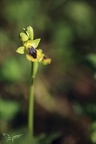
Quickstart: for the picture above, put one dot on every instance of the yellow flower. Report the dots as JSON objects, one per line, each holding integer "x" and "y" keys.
{"x": 29, "y": 47}
{"x": 46, "y": 60}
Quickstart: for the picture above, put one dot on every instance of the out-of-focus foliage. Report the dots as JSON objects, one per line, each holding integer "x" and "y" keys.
{"x": 8, "y": 109}
{"x": 93, "y": 132}
{"x": 25, "y": 137}
{"x": 82, "y": 15}
{"x": 92, "y": 60}
{"x": 67, "y": 29}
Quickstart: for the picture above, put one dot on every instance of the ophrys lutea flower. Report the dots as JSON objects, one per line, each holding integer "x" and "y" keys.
{"x": 29, "y": 47}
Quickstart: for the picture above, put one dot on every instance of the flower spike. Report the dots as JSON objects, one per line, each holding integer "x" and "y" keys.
{"x": 30, "y": 47}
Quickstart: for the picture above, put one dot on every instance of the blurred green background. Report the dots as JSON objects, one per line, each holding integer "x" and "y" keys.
{"x": 65, "y": 90}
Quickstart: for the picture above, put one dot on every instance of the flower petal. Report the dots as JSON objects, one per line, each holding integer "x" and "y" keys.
{"x": 20, "y": 50}
{"x": 46, "y": 61}
{"x": 40, "y": 55}
{"x": 35, "y": 42}
{"x": 30, "y": 58}
{"x": 28, "y": 44}
{"x": 30, "y": 32}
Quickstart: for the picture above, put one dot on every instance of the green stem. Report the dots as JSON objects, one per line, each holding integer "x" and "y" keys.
{"x": 31, "y": 103}
{"x": 34, "y": 67}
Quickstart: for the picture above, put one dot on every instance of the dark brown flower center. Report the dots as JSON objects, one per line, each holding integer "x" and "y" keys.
{"x": 32, "y": 52}
{"x": 45, "y": 57}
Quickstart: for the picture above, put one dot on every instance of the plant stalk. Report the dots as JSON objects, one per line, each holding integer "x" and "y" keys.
{"x": 31, "y": 102}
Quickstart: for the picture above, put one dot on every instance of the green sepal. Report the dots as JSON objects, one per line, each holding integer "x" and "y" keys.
{"x": 30, "y": 32}
{"x": 20, "y": 50}
{"x": 35, "y": 42}
{"x": 23, "y": 37}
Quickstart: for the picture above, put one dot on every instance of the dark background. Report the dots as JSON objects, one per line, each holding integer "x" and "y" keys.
{"x": 65, "y": 90}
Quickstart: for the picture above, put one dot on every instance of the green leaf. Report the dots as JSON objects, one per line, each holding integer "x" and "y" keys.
{"x": 20, "y": 50}
{"x": 30, "y": 32}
